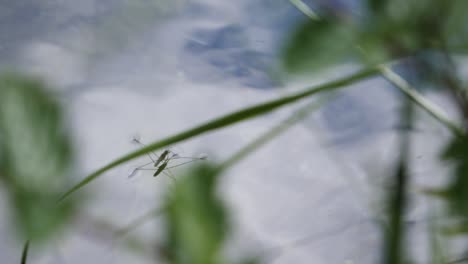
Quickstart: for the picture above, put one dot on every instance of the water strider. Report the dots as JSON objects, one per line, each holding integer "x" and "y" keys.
{"x": 160, "y": 163}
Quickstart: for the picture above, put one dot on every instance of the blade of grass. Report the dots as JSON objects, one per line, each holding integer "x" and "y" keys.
{"x": 416, "y": 97}
{"x": 227, "y": 120}
{"x": 24, "y": 255}
{"x": 398, "y": 199}
{"x": 393, "y": 252}
{"x": 263, "y": 139}
{"x": 305, "y": 9}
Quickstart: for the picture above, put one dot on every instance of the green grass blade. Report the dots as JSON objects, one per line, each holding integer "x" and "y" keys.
{"x": 227, "y": 120}
{"x": 398, "y": 198}
{"x": 263, "y": 139}
{"x": 394, "y": 235}
{"x": 422, "y": 102}
{"x": 305, "y": 9}
{"x": 24, "y": 255}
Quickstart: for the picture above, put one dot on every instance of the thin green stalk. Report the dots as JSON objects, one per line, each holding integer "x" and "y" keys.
{"x": 226, "y": 120}
{"x": 395, "y": 232}
{"x": 263, "y": 139}
{"x": 305, "y": 9}
{"x": 24, "y": 255}
{"x": 416, "y": 97}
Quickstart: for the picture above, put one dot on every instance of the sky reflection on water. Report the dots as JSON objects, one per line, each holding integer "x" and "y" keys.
{"x": 181, "y": 63}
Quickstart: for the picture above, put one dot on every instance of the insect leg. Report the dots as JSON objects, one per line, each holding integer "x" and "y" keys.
{"x": 171, "y": 176}
{"x": 183, "y": 163}
{"x": 137, "y": 141}
{"x": 138, "y": 168}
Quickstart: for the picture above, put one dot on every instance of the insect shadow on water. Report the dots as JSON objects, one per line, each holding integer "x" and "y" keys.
{"x": 160, "y": 163}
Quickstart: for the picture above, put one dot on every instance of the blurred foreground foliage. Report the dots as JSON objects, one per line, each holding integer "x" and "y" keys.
{"x": 421, "y": 38}
{"x": 456, "y": 193}
{"x": 380, "y": 32}
{"x": 35, "y": 156}
{"x": 196, "y": 220}
{"x": 425, "y": 41}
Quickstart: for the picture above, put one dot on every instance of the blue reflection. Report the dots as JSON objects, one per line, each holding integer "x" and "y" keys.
{"x": 246, "y": 51}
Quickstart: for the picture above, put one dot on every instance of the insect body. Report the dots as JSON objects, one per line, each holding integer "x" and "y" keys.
{"x": 161, "y": 158}
{"x": 160, "y": 164}
{"x": 160, "y": 169}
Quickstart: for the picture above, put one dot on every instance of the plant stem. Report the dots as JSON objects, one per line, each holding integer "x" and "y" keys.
{"x": 24, "y": 255}
{"x": 416, "y": 97}
{"x": 263, "y": 139}
{"x": 227, "y": 120}
{"x": 395, "y": 232}
{"x": 305, "y": 9}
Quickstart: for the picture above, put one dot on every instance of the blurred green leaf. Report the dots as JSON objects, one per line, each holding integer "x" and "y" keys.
{"x": 406, "y": 26}
{"x": 459, "y": 228}
{"x": 35, "y": 156}
{"x": 456, "y": 192}
{"x": 24, "y": 254}
{"x": 456, "y": 27}
{"x": 420, "y": 34}
{"x": 251, "y": 261}
{"x": 394, "y": 248}
{"x": 414, "y": 12}
{"x": 196, "y": 219}
{"x": 317, "y": 45}
{"x": 389, "y": 30}
{"x": 377, "y": 5}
